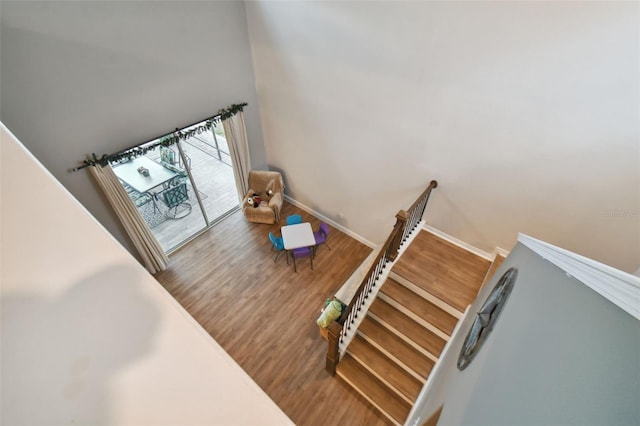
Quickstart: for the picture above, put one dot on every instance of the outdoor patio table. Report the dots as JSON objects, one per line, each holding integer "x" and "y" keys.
{"x": 128, "y": 173}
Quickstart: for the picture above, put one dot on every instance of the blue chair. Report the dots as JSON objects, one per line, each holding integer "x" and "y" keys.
{"x": 321, "y": 236}
{"x": 278, "y": 244}
{"x": 293, "y": 219}
{"x": 301, "y": 252}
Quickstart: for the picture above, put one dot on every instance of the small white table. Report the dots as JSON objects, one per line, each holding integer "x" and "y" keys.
{"x": 296, "y": 236}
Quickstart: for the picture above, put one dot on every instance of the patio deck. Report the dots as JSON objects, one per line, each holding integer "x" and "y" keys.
{"x": 215, "y": 184}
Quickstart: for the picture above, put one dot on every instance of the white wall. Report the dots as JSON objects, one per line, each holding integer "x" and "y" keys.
{"x": 88, "y": 336}
{"x": 96, "y": 77}
{"x": 527, "y": 114}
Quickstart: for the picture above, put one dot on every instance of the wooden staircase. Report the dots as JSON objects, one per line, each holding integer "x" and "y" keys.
{"x": 407, "y": 326}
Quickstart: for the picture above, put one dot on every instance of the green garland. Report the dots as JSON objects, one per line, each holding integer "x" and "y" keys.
{"x": 165, "y": 141}
{"x": 229, "y": 112}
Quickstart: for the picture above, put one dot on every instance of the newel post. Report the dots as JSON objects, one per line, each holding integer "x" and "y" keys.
{"x": 333, "y": 333}
{"x": 401, "y": 223}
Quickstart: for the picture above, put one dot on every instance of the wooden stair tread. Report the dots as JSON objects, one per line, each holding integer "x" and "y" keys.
{"x": 398, "y": 348}
{"x": 408, "y": 327}
{"x": 384, "y": 368}
{"x": 367, "y": 384}
{"x": 445, "y": 270}
{"x": 419, "y": 306}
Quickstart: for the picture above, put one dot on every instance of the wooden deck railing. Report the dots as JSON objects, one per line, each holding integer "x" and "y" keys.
{"x": 406, "y": 222}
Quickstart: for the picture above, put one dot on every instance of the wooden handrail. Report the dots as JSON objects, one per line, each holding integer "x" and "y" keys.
{"x": 433, "y": 184}
{"x": 406, "y": 221}
{"x": 384, "y": 253}
{"x": 402, "y": 217}
{"x": 336, "y": 330}
{"x": 416, "y": 211}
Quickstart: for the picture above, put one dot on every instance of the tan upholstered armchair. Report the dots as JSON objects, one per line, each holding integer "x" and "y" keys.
{"x": 269, "y": 189}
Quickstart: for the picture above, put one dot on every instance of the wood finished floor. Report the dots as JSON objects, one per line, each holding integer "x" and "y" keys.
{"x": 445, "y": 270}
{"x": 263, "y": 314}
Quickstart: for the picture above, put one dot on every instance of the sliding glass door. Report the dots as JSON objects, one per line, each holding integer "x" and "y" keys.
{"x": 182, "y": 189}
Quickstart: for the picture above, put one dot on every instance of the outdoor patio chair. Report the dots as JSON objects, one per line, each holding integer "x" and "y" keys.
{"x": 175, "y": 197}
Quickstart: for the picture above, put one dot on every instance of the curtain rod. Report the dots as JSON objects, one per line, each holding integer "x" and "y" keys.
{"x": 122, "y": 151}
{"x": 222, "y": 114}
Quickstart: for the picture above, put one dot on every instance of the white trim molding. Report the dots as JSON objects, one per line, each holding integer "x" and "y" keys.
{"x": 618, "y": 287}
{"x": 414, "y": 418}
{"x": 459, "y": 243}
{"x": 500, "y": 251}
{"x": 330, "y": 222}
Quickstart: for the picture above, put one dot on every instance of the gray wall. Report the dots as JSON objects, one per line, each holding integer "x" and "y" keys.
{"x": 559, "y": 354}
{"x": 96, "y": 77}
{"x": 525, "y": 112}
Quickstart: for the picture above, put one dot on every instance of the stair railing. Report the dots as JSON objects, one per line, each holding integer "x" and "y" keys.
{"x": 416, "y": 211}
{"x": 406, "y": 222}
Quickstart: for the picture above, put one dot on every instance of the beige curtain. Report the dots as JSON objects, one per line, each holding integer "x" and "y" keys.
{"x": 236, "y": 135}
{"x": 153, "y": 256}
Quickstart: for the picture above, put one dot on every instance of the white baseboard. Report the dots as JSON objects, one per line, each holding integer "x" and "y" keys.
{"x": 413, "y": 419}
{"x": 500, "y": 251}
{"x": 429, "y": 228}
{"x": 459, "y": 243}
{"x": 330, "y": 222}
